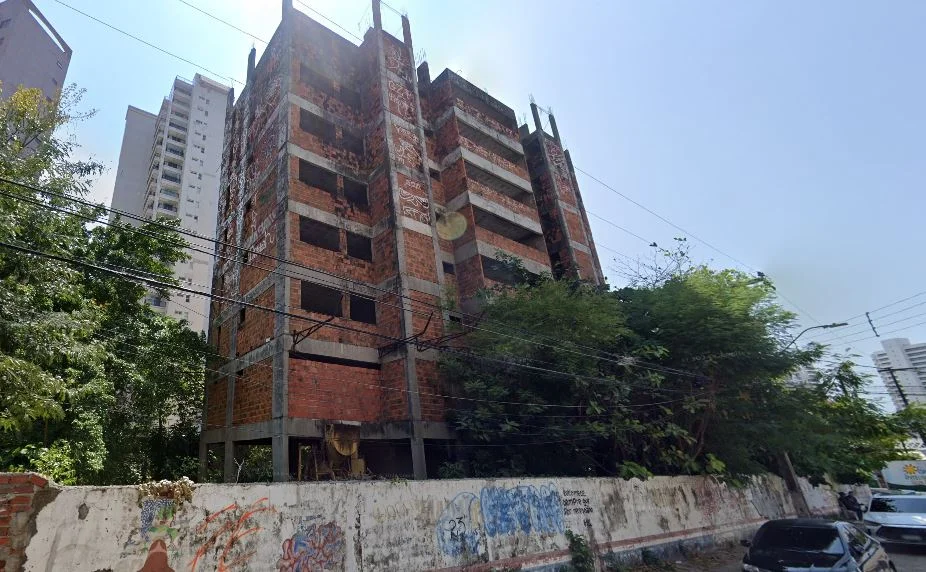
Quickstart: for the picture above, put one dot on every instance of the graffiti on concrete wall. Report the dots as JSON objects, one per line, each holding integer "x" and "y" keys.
{"x": 524, "y": 509}
{"x": 575, "y": 501}
{"x": 227, "y": 536}
{"x": 316, "y": 547}
{"x": 459, "y": 528}
{"x": 496, "y": 512}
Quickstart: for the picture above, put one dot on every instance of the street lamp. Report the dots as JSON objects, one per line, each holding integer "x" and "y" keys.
{"x": 823, "y": 327}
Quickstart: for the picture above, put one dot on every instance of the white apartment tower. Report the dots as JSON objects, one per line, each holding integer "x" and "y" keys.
{"x": 32, "y": 53}
{"x": 169, "y": 167}
{"x": 907, "y": 363}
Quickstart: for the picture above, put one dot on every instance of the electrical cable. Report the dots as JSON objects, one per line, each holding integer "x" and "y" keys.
{"x": 149, "y": 44}
{"x": 621, "y": 360}
{"x": 466, "y": 354}
{"x": 229, "y": 24}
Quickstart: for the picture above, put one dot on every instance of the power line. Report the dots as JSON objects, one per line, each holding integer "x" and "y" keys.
{"x": 229, "y": 24}
{"x": 332, "y": 22}
{"x": 160, "y": 284}
{"x": 147, "y": 43}
{"x": 621, "y": 360}
{"x": 617, "y": 226}
{"x": 680, "y": 229}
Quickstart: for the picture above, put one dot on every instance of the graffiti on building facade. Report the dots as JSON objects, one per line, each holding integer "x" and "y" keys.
{"x": 413, "y": 204}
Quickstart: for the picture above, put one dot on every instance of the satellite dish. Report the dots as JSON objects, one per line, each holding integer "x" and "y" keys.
{"x": 451, "y": 225}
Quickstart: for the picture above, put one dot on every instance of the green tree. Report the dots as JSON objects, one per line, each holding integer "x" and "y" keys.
{"x": 95, "y": 387}
{"x": 682, "y": 373}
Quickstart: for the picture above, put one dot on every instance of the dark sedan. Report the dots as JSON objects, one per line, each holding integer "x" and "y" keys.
{"x": 798, "y": 545}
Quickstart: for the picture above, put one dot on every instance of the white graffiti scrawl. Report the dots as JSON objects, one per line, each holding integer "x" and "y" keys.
{"x": 415, "y": 207}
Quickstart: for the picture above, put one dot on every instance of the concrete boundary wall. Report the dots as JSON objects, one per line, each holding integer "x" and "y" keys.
{"x": 372, "y": 526}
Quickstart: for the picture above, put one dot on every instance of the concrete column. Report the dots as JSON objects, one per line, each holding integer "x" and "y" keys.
{"x": 554, "y": 129}
{"x": 377, "y": 15}
{"x": 252, "y": 57}
{"x": 536, "y": 113}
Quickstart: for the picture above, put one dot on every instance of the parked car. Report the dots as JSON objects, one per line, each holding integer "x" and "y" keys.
{"x": 805, "y": 544}
{"x": 897, "y": 518}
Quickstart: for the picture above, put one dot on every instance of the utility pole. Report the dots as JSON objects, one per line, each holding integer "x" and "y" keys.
{"x": 903, "y": 396}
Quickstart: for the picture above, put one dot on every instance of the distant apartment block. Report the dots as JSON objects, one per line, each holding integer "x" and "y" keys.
{"x": 362, "y": 199}
{"x": 907, "y": 363}
{"x": 32, "y": 53}
{"x": 169, "y": 167}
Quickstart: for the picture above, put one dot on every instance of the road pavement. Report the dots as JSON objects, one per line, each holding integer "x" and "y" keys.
{"x": 905, "y": 558}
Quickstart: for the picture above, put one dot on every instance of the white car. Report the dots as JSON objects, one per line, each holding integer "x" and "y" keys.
{"x": 897, "y": 518}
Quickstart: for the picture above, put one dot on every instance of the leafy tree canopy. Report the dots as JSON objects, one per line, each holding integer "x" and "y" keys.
{"x": 95, "y": 386}
{"x": 682, "y": 372}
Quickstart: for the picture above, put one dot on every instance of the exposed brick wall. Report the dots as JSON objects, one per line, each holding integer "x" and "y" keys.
{"x": 447, "y": 138}
{"x": 21, "y": 494}
{"x": 333, "y": 150}
{"x": 319, "y": 390}
{"x": 258, "y": 324}
{"x": 389, "y": 317}
{"x": 395, "y": 396}
{"x": 575, "y": 226}
{"x": 528, "y": 210}
{"x": 513, "y": 247}
{"x": 419, "y": 256}
{"x": 469, "y": 277}
{"x": 254, "y": 393}
{"x": 224, "y": 335}
{"x": 365, "y": 336}
{"x": 384, "y": 257}
{"x": 518, "y": 169}
{"x": 216, "y": 401}
{"x": 425, "y": 312}
{"x": 433, "y": 407}
{"x": 454, "y": 180}
{"x": 322, "y": 258}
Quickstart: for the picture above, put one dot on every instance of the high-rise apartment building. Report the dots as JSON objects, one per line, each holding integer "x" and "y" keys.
{"x": 361, "y": 200}
{"x": 169, "y": 167}
{"x": 32, "y": 53}
{"x": 906, "y": 363}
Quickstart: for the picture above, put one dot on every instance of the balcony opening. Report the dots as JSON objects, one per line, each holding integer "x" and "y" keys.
{"x": 499, "y": 272}
{"x": 320, "y": 234}
{"x": 325, "y": 85}
{"x": 315, "y": 125}
{"x": 362, "y": 309}
{"x": 489, "y": 143}
{"x": 508, "y": 229}
{"x": 319, "y": 178}
{"x": 449, "y": 268}
{"x": 360, "y": 247}
{"x": 499, "y": 185}
{"x": 321, "y": 299}
{"x": 356, "y": 194}
{"x": 352, "y": 143}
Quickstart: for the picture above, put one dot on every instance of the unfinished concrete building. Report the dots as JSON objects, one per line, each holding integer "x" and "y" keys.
{"x": 359, "y": 198}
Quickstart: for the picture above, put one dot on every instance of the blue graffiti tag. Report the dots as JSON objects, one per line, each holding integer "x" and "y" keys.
{"x": 458, "y": 528}
{"x": 521, "y": 509}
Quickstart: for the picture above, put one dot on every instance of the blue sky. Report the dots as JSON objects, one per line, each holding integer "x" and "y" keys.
{"x": 788, "y": 134}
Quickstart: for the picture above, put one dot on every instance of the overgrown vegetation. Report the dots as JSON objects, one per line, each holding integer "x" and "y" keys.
{"x": 683, "y": 372}
{"x": 95, "y": 386}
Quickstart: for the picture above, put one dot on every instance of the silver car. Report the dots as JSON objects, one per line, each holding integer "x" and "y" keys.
{"x": 897, "y": 518}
